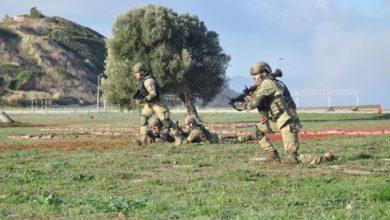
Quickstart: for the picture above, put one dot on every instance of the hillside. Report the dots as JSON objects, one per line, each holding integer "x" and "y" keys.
{"x": 49, "y": 57}
{"x": 221, "y": 100}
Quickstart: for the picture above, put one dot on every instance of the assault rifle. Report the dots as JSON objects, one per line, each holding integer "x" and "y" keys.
{"x": 138, "y": 95}
{"x": 249, "y": 91}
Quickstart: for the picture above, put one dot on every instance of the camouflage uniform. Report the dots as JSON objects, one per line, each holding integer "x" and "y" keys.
{"x": 198, "y": 133}
{"x": 277, "y": 114}
{"x": 156, "y": 134}
{"x": 153, "y": 104}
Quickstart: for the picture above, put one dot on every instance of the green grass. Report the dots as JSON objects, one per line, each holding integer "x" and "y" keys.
{"x": 194, "y": 181}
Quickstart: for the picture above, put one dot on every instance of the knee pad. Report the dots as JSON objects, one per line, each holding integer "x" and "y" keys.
{"x": 144, "y": 120}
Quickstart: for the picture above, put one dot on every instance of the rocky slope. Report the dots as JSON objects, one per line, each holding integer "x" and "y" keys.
{"x": 49, "y": 57}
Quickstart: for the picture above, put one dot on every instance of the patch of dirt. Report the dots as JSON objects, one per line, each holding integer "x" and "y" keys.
{"x": 72, "y": 134}
{"x": 356, "y": 172}
{"x": 137, "y": 180}
{"x": 312, "y": 134}
{"x": 71, "y": 145}
{"x": 348, "y": 170}
{"x": 182, "y": 166}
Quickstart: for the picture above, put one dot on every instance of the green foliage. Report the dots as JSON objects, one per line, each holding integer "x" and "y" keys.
{"x": 383, "y": 193}
{"x": 110, "y": 204}
{"x": 363, "y": 156}
{"x": 86, "y": 43}
{"x": 248, "y": 175}
{"x": 48, "y": 199}
{"x": 83, "y": 177}
{"x": 35, "y": 13}
{"x": 215, "y": 181}
{"x": 29, "y": 175}
{"x": 21, "y": 78}
{"x": 182, "y": 54}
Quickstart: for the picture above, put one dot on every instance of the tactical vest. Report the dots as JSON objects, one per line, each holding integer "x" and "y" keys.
{"x": 275, "y": 105}
{"x": 205, "y": 133}
{"x": 144, "y": 91}
{"x": 287, "y": 95}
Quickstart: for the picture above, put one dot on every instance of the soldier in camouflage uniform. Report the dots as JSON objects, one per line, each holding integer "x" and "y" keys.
{"x": 152, "y": 101}
{"x": 156, "y": 134}
{"x": 197, "y": 132}
{"x": 277, "y": 113}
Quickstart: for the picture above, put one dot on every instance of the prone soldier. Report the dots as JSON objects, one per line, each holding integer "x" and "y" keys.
{"x": 197, "y": 133}
{"x": 156, "y": 134}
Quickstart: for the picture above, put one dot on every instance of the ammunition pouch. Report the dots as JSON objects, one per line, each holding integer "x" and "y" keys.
{"x": 283, "y": 119}
{"x": 276, "y": 108}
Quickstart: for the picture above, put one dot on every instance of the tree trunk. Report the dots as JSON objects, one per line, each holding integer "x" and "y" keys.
{"x": 189, "y": 105}
{"x": 4, "y": 118}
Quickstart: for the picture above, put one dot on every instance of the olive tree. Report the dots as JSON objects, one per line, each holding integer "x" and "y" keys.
{"x": 183, "y": 55}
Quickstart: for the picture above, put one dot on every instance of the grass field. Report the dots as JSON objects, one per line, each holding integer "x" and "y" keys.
{"x": 110, "y": 177}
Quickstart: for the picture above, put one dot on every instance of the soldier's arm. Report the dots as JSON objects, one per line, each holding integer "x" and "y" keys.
{"x": 264, "y": 90}
{"x": 150, "y": 86}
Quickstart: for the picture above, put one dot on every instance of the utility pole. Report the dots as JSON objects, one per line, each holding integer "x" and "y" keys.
{"x": 98, "y": 93}
{"x": 100, "y": 76}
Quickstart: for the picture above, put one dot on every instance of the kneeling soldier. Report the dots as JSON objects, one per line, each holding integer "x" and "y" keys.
{"x": 277, "y": 113}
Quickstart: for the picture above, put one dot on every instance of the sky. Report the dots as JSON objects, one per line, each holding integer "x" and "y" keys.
{"x": 319, "y": 44}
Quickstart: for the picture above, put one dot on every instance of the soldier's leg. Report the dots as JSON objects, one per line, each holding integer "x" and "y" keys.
{"x": 265, "y": 144}
{"x": 163, "y": 114}
{"x": 291, "y": 142}
{"x": 317, "y": 159}
{"x": 146, "y": 113}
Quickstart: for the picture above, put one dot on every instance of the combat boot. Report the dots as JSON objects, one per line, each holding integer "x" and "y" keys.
{"x": 179, "y": 139}
{"x": 292, "y": 158}
{"x": 272, "y": 158}
{"x": 142, "y": 142}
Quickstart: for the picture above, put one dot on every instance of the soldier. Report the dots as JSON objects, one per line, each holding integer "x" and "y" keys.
{"x": 149, "y": 95}
{"x": 155, "y": 132}
{"x": 198, "y": 133}
{"x": 277, "y": 113}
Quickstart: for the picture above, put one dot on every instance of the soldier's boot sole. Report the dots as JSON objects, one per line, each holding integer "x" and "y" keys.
{"x": 291, "y": 159}
{"x": 259, "y": 160}
{"x": 140, "y": 143}
{"x": 273, "y": 159}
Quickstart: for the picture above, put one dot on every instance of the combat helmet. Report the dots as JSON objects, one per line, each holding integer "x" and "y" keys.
{"x": 140, "y": 67}
{"x": 190, "y": 119}
{"x": 259, "y": 67}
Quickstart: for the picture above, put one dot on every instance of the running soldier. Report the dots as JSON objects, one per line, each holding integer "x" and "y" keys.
{"x": 149, "y": 95}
